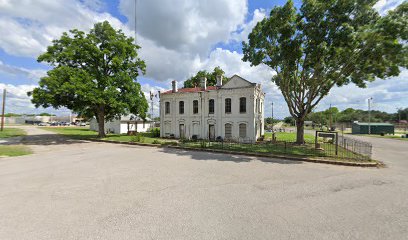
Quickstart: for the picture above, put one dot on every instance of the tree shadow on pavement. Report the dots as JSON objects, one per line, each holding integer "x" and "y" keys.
{"x": 201, "y": 155}
{"x": 48, "y": 139}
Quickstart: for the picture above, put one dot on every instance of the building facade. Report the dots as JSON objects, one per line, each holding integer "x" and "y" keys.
{"x": 234, "y": 110}
{"x": 123, "y": 125}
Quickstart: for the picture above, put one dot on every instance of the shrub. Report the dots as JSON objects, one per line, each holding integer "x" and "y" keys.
{"x": 203, "y": 144}
{"x": 156, "y": 141}
{"x": 155, "y": 132}
{"x": 138, "y": 138}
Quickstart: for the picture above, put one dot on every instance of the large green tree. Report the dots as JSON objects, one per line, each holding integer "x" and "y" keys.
{"x": 93, "y": 74}
{"x": 195, "y": 80}
{"x": 327, "y": 43}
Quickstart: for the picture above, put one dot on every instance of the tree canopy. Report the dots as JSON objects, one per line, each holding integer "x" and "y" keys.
{"x": 195, "y": 80}
{"x": 327, "y": 43}
{"x": 350, "y": 115}
{"x": 93, "y": 74}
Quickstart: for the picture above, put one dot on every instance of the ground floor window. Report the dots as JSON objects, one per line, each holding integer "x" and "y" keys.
{"x": 242, "y": 130}
{"x": 228, "y": 130}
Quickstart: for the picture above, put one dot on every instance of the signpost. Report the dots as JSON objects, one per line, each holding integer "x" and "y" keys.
{"x": 327, "y": 134}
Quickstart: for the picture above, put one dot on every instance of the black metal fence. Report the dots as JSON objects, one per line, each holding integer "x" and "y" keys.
{"x": 347, "y": 148}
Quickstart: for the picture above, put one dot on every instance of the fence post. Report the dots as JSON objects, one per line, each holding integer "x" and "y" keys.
{"x": 337, "y": 143}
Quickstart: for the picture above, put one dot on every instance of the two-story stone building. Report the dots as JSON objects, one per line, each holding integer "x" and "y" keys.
{"x": 234, "y": 110}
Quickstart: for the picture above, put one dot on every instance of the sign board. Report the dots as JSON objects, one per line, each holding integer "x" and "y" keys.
{"x": 326, "y": 135}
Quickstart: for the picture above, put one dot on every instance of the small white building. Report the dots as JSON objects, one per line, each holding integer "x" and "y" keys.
{"x": 124, "y": 124}
{"x": 234, "y": 110}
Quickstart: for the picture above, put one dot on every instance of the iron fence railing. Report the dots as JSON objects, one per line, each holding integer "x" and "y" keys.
{"x": 347, "y": 148}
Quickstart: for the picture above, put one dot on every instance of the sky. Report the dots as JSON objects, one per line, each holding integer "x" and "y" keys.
{"x": 177, "y": 39}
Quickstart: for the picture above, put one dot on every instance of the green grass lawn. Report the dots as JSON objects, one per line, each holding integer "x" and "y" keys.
{"x": 73, "y": 132}
{"x": 14, "y": 150}
{"x": 12, "y": 132}
{"x": 289, "y": 136}
{"x": 85, "y": 133}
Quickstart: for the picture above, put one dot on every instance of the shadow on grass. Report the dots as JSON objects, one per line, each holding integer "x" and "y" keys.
{"x": 203, "y": 155}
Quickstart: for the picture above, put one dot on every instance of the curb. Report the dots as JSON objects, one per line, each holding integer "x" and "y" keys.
{"x": 126, "y": 143}
{"x": 285, "y": 157}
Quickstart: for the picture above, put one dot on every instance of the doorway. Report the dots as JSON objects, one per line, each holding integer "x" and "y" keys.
{"x": 211, "y": 132}
{"x": 182, "y": 131}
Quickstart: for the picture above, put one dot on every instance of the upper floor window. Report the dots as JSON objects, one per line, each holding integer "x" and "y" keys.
{"x": 167, "y": 107}
{"x": 228, "y": 105}
{"x": 181, "y": 107}
{"x": 211, "y": 106}
{"x": 195, "y": 106}
{"x": 242, "y": 105}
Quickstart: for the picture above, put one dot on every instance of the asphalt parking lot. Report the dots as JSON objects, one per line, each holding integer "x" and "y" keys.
{"x": 71, "y": 189}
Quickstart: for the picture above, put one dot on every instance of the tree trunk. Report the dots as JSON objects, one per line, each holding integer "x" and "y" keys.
{"x": 300, "y": 131}
{"x": 101, "y": 124}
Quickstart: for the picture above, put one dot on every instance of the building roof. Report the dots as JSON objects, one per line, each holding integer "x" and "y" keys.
{"x": 132, "y": 117}
{"x": 373, "y": 124}
{"x": 192, "y": 90}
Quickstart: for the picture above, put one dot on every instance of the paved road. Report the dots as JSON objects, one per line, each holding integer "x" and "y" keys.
{"x": 82, "y": 190}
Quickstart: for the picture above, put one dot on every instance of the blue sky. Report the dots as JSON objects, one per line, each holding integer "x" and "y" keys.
{"x": 177, "y": 37}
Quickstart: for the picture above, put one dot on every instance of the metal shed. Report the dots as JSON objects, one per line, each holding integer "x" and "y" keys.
{"x": 376, "y": 128}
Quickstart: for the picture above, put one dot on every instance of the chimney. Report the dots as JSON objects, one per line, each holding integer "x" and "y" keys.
{"x": 219, "y": 80}
{"x": 174, "y": 86}
{"x": 204, "y": 83}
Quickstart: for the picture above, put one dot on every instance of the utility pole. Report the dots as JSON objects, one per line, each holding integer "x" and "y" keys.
{"x": 2, "y": 111}
{"x": 272, "y": 116}
{"x": 369, "y": 115}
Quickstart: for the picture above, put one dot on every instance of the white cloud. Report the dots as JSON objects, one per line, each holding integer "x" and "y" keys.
{"x": 28, "y": 27}
{"x": 184, "y": 25}
{"x": 33, "y": 74}
{"x": 246, "y": 29}
{"x": 383, "y": 6}
{"x": 176, "y": 39}
{"x": 387, "y": 94}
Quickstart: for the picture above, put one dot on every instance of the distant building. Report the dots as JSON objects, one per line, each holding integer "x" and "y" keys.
{"x": 376, "y": 128}
{"x": 234, "y": 110}
{"x": 123, "y": 125}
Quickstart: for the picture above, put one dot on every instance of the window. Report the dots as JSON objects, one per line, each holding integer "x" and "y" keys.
{"x": 167, "y": 108}
{"x": 242, "y": 105}
{"x": 228, "y": 130}
{"x": 260, "y": 109}
{"x": 195, "y": 106}
{"x": 211, "y": 106}
{"x": 242, "y": 130}
{"x": 181, "y": 107}
{"x": 228, "y": 105}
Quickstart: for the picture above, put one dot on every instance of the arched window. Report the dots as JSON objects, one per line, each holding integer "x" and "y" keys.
{"x": 242, "y": 130}
{"x": 195, "y": 106}
{"x": 228, "y": 105}
{"x": 181, "y": 107}
{"x": 167, "y": 108}
{"x": 228, "y": 130}
{"x": 242, "y": 105}
{"x": 211, "y": 106}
